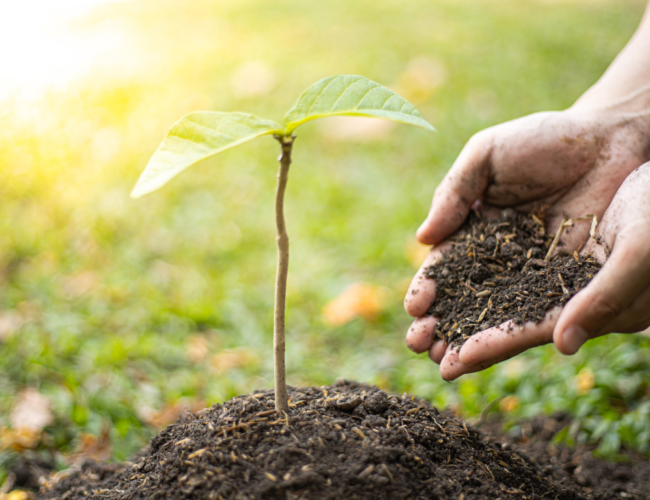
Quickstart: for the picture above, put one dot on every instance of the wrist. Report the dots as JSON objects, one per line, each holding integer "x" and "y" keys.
{"x": 607, "y": 99}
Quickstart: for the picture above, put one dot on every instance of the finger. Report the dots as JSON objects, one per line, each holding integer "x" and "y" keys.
{"x": 504, "y": 341}
{"x": 451, "y": 367}
{"x": 461, "y": 187}
{"x": 421, "y": 335}
{"x": 437, "y": 351}
{"x": 623, "y": 277}
{"x": 422, "y": 291}
{"x": 633, "y": 319}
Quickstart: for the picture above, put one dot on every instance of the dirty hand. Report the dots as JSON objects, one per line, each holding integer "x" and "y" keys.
{"x": 616, "y": 300}
{"x": 571, "y": 161}
{"x": 574, "y": 162}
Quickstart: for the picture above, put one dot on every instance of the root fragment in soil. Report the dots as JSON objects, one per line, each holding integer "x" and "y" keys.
{"x": 384, "y": 447}
{"x": 501, "y": 269}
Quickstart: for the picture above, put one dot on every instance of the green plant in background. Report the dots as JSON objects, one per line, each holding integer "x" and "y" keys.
{"x": 118, "y": 319}
{"x": 200, "y": 135}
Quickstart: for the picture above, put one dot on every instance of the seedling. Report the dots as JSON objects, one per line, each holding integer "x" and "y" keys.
{"x": 202, "y": 134}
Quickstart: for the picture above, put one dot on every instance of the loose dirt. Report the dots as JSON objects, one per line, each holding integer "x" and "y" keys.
{"x": 495, "y": 272}
{"x": 343, "y": 441}
{"x": 626, "y": 478}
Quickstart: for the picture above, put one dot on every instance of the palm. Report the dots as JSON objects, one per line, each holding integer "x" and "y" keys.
{"x": 566, "y": 163}
{"x": 558, "y": 161}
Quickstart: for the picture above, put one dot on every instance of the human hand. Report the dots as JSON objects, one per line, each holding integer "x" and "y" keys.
{"x": 570, "y": 161}
{"x": 616, "y": 300}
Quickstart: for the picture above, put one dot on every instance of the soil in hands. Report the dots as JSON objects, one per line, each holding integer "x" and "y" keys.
{"x": 344, "y": 441}
{"x": 496, "y": 271}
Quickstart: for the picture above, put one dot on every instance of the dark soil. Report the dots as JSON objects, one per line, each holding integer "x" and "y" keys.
{"x": 597, "y": 478}
{"x": 496, "y": 272}
{"x": 346, "y": 441}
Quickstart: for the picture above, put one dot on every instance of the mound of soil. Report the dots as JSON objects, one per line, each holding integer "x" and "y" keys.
{"x": 343, "y": 441}
{"x": 627, "y": 478}
{"x": 495, "y": 272}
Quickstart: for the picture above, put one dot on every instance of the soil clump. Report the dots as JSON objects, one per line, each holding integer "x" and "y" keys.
{"x": 347, "y": 441}
{"x": 496, "y": 271}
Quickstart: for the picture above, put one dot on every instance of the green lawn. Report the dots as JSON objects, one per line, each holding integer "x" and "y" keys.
{"x": 118, "y": 309}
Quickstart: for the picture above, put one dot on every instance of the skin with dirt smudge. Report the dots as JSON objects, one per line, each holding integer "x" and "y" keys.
{"x": 572, "y": 162}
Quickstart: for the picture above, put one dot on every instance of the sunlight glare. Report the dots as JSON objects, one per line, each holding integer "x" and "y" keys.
{"x": 39, "y": 51}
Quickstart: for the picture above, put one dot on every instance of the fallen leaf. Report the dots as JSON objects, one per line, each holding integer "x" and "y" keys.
{"x": 509, "y": 404}
{"x": 90, "y": 446}
{"x": 17, "y": 495}
{"x": 357, "y": 300}
{"x": 32, "y": 410}
{"x": 227, "y": 360}
{"x": 169, "y": 413}
{"x": 19, "y": 439}
{"x": 585, "y": 381}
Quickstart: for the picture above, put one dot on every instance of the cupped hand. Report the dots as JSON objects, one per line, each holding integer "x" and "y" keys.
{"x": 572, "y": 162}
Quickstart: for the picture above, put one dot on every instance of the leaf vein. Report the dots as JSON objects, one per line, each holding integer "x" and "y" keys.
{"x": 363, "y": 97}
{"x": 318, "y": 96}
{"x": 343, "y": 93}
{"x": 390, "y": 96}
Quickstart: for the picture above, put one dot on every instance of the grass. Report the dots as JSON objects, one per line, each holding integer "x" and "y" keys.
{"x": 122, "y": 311}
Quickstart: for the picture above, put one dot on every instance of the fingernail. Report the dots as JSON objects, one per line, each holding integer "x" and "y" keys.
{"x": 573, "y": 338}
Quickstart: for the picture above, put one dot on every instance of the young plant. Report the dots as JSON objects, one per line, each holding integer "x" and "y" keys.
{"x": 202, "y": 134}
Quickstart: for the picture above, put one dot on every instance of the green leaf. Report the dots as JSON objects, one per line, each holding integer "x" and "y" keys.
{"x": 350, "y": 95}
{"x": 198, "y": 136}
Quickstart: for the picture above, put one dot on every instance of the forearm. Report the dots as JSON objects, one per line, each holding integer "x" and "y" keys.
{"x": 626, "y": 83}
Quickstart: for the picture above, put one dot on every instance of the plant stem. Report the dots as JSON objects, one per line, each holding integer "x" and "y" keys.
{"x": 281, "y": 398}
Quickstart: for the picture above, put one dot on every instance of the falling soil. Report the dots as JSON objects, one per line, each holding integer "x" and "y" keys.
{"x": 343, "y": 441}
{"x": 496, "y": 271}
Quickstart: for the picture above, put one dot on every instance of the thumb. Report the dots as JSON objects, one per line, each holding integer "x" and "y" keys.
{"x": 462, "y": 186}
{"x": 623, "y": 277}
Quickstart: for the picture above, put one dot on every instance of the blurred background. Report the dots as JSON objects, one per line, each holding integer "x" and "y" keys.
{"x": 115, "y": 314}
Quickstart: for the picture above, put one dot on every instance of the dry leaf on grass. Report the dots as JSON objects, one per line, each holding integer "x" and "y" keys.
{"x": 32, "y": 410}
{"x": 509, "y": 404}
{"x": 30, "y": 415}
{"x": 19, "y": 439}
{"x": 169, "y": 413}
{"x": 585, "y": 381}
{"x": 90, "y": 446}
{"x": 231, "y": 359}
{"x": 17, "y": 495}
{"x": 357, "y": 300}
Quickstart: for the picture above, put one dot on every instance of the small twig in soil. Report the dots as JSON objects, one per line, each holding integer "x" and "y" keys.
{"x": 556, "y": 240}
{"x": 390, "y": 476}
